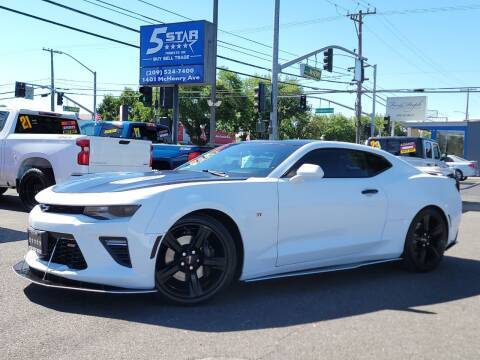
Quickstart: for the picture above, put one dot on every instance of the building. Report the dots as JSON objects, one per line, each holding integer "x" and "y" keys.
{"x": 461, "y": 138}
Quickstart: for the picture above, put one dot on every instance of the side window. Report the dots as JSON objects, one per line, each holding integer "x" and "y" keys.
{"x": 436, "y": 152}
{"x": 428, "y": 149}
{"x": 448, "y": 159}
{"x": 39, "y": 124}
{"x": 343, "y": 163}
{"x": 376, "y": 164}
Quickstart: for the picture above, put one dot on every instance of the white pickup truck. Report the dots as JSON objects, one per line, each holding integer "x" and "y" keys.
{"x": 39, "y": 149}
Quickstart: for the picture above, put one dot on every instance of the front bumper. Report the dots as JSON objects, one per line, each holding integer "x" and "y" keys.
{"x": 37, "y": 277}
{"x": 101, "y": 268}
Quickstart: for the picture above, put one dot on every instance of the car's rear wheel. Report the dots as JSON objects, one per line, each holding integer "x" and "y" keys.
{"x": 32, "y": 182}
{"x": 2, "y": 190}
{"x": 426, "y": 240}
{"x": 458, "y": 174}
{"x": 196, "y": 260}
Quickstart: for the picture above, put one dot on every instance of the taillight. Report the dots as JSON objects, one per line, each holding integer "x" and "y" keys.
{"x": 83, "y": 157}
{"x": 151, "y": 155}
{"x": 472, "y": 165}
{"x": 193, "y": 155}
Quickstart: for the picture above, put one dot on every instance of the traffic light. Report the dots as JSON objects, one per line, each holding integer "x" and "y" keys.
{"x": 386, "y": 125}
{"x": 303, "y": 102}
{"x": 59, "y": 98}
{"x": 20, "y": 89}
{"x": 328, "y": 60}
{"x": 146, "y": 95}
{"x": 166, "y": 97}
{"x": 259, "y": 98}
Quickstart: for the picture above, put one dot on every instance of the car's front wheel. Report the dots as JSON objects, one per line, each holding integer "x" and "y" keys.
{"x": 458, "y": 174}
{"x": 2, "y": 190}
{"x": 196, "y": 260}
{"x": 426, "y": 241}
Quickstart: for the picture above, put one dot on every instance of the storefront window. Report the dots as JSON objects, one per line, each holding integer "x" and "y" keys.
{"x": 451, "y": 142}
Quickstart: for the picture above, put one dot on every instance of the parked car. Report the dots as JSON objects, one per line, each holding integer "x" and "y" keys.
{"x": 463, "y": 168}
{"x": 253, "y": 210}
{"x": 165, "y": 156}
{"x": 39, "y": 149}
{"x": 420, "y": 152}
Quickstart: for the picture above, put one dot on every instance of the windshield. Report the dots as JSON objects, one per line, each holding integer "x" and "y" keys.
{"x": 249, "y": 159}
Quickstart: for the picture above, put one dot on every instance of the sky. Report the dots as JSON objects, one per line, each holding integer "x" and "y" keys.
{"x": 415, "y": 44}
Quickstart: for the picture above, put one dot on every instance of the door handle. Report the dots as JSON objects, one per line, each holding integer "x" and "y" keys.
{"x": 369, "y": 191}
{"x": 124, "y": 142}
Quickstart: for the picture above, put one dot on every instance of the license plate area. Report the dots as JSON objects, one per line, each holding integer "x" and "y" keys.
{"x": 38, "y": 241}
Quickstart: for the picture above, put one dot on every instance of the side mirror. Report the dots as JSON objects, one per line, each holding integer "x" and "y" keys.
{"x": 308, "y": 171}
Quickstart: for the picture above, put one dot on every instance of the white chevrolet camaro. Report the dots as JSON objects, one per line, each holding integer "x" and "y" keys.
{"x": 250, "y": 211}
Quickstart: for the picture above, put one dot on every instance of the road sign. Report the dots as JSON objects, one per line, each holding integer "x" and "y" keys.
{"x": 71, "y": 109}
{"x": 177, "y": 53}
{"x": 29, "y": 93}
{"x": 324, "y": 111}
{"x": 310, "y": 72}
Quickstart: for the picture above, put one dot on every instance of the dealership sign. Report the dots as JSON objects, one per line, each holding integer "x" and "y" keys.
{"x": 179, "y": 53}
{"x": 408, "y": 108}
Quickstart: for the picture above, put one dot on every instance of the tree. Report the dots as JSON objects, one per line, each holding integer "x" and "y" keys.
{"x": 109, "y": 108}
{"x": 332, "y": 127}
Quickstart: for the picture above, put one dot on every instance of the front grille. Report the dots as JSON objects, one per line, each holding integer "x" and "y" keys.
{"x": 66, "y": 252}
{"x": 62, "y": 209}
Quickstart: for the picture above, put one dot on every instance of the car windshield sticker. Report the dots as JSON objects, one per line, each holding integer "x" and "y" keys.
{"x": 110, "y": 131}
{"x": 407, "y": 148}
{"x": 25, "y": 121}
{"x": 69, "y": 126}
{"x": 136, "y": 132}
{"x": 375, "y": 144}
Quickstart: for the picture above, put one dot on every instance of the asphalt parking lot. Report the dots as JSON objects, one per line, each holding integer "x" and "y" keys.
{"x": 376, "y": 312}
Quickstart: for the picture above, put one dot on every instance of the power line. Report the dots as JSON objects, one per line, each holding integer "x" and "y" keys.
{"x": 221, "y": 30}
{"x": 67, "y": 26}
{"x": 116, "y": 11}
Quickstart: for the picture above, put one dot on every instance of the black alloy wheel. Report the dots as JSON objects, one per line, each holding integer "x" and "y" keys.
{"x": 426, "y": 241}
{"x": 458, "y": 174}
{"x": 32, "y": 182}
{"x": 196, "y": 260}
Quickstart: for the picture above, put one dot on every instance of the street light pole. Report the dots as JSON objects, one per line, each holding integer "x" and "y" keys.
{"x": 374, "y": 97}
{"x": 213, "y": 94}
{"x": 275, "y": 66}
{"x": 52, "y": 81}
{"x": 86, "y": 67}
{"x": 468, "y": 100}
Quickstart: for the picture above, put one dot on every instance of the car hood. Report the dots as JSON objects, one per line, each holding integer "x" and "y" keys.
{"x": 115, "y": 182}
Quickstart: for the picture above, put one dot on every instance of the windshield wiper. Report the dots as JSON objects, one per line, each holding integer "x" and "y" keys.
{"x": 216, "y": 173}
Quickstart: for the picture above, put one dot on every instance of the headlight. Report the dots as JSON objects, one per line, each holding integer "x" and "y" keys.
{"x": 110, "y": 212}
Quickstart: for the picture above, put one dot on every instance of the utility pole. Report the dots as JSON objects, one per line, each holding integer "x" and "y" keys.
{"x": 213, "y": 94}
{"x": 374, "y": 97}
{"x": 468, "y": 100}
{"x": 358, "y": 18}
{"x": 52, "y": 81}
{"x": 176, "y": 110}
{"x": 274, "y": 114}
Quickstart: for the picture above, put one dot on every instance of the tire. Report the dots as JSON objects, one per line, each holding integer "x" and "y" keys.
{"x": 458, "y": 174}
{"x": 196, "y": 260}
{"x": 426, "y": 241}
{"x": 31, "y": 183}
{"x": 2, "y": 190}
{"x": 464, "y": 178}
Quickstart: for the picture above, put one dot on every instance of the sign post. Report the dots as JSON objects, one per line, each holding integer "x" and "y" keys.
{"x": 176, "y": 54}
